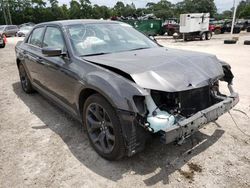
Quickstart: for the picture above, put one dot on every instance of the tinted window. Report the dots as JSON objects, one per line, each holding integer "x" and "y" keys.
{"x": 36, "y": 37}
{"x": 53, "y": 38}
{"x": 2, "y": 28}
{"x": 14, "y": 27}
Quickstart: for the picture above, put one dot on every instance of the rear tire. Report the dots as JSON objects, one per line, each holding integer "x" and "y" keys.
{"x": 208, "y": 35}
{"x": 203, "y": 36}
{"x": 24, "y": 79}
{"x": 103, "y": 128}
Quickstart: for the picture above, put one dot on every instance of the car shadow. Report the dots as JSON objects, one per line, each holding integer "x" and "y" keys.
{"x": 165, "y": 159}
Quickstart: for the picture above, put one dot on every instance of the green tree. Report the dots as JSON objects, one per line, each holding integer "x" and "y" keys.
{"x": 101, "y": 12}
{"x": 227, "y": 14}
{"x": 74, "y": 10}
{"x": 245, "y": 13}
{"x": 163, "y": 9}
{"x": 37, "y": 11}
{"x": 196, "y": 6}
{"x": 119, "y": 8}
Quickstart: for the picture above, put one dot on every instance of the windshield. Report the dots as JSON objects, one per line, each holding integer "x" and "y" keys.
{"x": 93, "y": 39}
{"x": 2, "y": 28}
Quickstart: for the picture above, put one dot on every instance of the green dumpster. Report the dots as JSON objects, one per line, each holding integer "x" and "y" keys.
{"x": 148, "y": 27}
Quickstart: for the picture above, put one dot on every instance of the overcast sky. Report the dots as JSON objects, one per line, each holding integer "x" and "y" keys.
{"x": 221, "y": 4}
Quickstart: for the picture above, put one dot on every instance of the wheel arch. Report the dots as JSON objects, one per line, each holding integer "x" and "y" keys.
{"x": 117, "y": 90}
{"x": 86, "y": 93}
{"x": 18, "y": 61}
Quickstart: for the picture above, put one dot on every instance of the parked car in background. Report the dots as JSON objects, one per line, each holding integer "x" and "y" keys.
{"x": 171, "y": 26}
{"x": 2, "y": 42}
{"x": 226, "y": 27}
{"x": 27, "y": 24}
{"x": 215, "y": 28}
{"x": 23, "y": 31}
{"x": 122, "y": 86}
{"x": 8, "y": 30}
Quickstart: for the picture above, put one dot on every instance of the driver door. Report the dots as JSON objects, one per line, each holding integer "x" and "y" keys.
{"x": 57, "y": 78}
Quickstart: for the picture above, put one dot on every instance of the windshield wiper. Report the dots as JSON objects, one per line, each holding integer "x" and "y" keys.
{"x": 142, "y": 48}
{"x": 101, "y": 53}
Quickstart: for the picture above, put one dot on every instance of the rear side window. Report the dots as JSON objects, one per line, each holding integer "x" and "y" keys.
{"x": 53, "y": 38}
{"x": 37, "y": 37}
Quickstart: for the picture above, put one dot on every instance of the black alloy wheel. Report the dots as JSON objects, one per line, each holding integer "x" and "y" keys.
{"x": 100, "y": 128}
{"x": 103, "y": 128}
{"x": 25, "y": 82}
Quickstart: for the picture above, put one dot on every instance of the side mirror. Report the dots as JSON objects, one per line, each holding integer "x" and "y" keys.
{"x": 52, "y": 52}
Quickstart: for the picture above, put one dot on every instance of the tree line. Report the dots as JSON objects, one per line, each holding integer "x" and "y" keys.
{"x": 36, "y": 11}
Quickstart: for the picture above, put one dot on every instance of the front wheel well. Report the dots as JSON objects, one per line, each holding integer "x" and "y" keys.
{"x": 18, "y": 62}
{"x": 83, "y": 97}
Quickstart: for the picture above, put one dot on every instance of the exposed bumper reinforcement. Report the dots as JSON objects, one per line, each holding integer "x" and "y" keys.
{"x": 187, "y": 127}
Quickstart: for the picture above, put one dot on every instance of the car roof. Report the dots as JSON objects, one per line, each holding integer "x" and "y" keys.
{"x": 76, "y": 21}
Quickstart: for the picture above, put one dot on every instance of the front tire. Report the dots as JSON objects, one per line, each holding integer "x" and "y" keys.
{"x": 103, "y": 128}
{"x": 24, "y": 79}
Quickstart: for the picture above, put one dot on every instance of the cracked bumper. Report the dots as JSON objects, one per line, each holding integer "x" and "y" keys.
{"x": 187, "y": 127}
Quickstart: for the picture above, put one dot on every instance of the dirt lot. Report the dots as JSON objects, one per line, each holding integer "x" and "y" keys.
{"x": 41, "y": 146}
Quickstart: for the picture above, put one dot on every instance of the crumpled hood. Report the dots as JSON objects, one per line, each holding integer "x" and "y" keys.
{"x": 164, "y": 69}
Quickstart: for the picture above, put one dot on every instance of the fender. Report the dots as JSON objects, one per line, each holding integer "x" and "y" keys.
{"x": 116, "y": 89}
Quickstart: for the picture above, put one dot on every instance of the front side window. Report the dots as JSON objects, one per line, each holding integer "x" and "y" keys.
{"x": 90, "y": 39}
{"x": 37, "y": 37}
{"x": 53, "y": 38}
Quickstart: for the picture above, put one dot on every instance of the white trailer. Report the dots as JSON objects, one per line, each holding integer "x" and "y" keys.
{"x": 195, "y": 25}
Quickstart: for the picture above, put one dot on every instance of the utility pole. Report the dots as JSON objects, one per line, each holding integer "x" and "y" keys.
{"x": 235, "y": 9}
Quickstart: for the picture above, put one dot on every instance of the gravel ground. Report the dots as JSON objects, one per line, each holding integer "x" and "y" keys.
{"x": 41, "y": 146}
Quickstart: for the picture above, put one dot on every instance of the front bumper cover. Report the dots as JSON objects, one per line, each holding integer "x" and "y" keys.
{"x": 187, "y": 127}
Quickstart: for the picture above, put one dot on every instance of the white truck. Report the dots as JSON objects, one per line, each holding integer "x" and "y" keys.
{"x": 195, "y": 25}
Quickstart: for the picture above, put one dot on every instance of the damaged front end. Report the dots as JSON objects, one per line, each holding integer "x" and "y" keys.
{"x": 179, "y": 114}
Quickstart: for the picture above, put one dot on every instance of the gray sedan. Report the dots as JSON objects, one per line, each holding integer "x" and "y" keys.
{"x": 122, "y": 86}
